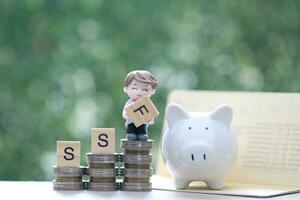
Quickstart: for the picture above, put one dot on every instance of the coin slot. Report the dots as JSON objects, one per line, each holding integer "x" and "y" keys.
{"x": 192, "y": 157}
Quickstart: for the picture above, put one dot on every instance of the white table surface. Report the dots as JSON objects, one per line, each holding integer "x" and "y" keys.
{"x": 44, "y": 191}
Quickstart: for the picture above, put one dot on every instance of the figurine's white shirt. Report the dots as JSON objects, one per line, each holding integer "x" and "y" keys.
{"x": 124, "y": 113}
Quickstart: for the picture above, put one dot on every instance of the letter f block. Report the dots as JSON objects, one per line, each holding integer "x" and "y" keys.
{"x": 68, "y": 153}
{"x": 142, "y": 111}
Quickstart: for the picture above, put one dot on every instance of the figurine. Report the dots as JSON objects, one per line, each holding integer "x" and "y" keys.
{"x": 138, "y": 84}
{"x": 199, "y": 146}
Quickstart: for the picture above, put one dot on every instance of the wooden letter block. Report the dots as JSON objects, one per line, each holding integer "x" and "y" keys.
{"x": 68, "y": 153}
{"x": 103, "y": 141}
{"x": 142, "y": 111}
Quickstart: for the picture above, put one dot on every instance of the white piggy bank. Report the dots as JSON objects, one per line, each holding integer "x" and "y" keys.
{"x": 199, "y": 146}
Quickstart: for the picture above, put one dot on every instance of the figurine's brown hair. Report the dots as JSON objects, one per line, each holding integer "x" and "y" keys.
{"x": 141, "y": 76}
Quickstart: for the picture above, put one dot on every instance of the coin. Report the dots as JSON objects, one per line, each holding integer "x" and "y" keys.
{"x": 136, "y": 152}
{"x": 68, "y": 185}
{"x": 103, "y": 179}
{"x": 102, "y": 158}
{"x": 136, "y": 166}
{"x": 136, "y": 173}
{"x": 137, "y": 159}
{"x": 136, "y": 180}
{"x": 136, "y": 186}
{"x": 102, "y": 186}
{"x": 100, "y": 172}
{"x": 136, "y": 145}
{"x": 68, "y": 179}
{"x": 68, "y": 171}
{"x": 101, "y": 165}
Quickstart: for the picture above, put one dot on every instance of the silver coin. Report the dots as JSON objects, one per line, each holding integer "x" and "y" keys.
{"x": 68, "y": 185}
{"x": 136, "y": 145}
{"x": 136, "y": 152}
{"x": 136, "y": 186}
{"x": 137, "y": 166}
{"x": 102, "y": 186}
{"x": 102, "y": 158}
{"x": 136, "y": 180}
{"x": 101, "y": 165}
{"x": 102, "y": 179}
{"x": 137, "y": 159}
{"x": 68, "y": 171}
{"x": 136, "y": 173}
{"x": 98, "y": 172}
{"x": 68, "y": 179}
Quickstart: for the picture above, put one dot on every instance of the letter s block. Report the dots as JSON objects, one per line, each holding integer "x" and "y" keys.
{"x": 142, "y": 111}
{"x": 68, "y": 153}
{"x": 103, "y": 141}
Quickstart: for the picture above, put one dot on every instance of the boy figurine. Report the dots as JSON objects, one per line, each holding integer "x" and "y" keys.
{"x": 138, "y": 84}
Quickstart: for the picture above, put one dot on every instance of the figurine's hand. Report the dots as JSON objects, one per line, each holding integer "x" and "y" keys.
{"x": 151, "y": 122}
{"x": 125, "y": 117}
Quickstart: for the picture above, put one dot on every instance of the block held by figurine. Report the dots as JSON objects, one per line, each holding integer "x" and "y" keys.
{"x": 142, "y": 111}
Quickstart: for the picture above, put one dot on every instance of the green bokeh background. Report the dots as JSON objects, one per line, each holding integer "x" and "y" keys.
{"x": 62, "y": 64}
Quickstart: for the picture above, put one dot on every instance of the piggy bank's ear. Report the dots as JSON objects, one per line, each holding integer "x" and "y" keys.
{"x": 222, "y": 113}
{"x": 174, "y": 113}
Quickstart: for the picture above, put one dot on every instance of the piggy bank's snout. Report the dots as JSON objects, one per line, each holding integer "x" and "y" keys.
{"x": 197, "y": 155}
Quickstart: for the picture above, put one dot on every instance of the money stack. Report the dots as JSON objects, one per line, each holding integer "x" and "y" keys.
{"x": 137, "y": 169}
{"x": 102, "y": 172}
{"x": 68, "y": 178}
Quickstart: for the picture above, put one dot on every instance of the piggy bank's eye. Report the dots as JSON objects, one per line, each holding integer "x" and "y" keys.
{"x": 206, "y": 128}
{"x": 190, "y": 128}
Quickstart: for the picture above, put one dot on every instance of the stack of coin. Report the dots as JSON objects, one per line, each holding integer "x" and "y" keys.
{"x": 102, "y": 172}
{"x": 68, "y": 178}
{"x": 137, "y": 169}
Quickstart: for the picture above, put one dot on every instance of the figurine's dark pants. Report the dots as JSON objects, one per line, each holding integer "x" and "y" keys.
{"x": 142, "y": 129}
